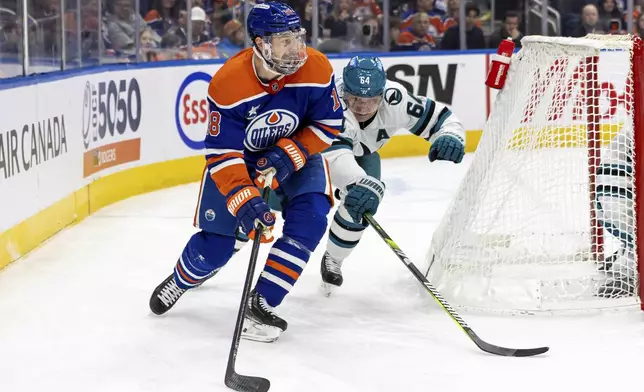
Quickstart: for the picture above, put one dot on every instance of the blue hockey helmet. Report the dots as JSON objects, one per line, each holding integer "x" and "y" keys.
{"x": 282, "y": 44}
{"x": 364, "y": 81}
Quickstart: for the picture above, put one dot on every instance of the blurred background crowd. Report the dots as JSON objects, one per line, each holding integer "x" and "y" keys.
{"x": 62, "y": 34}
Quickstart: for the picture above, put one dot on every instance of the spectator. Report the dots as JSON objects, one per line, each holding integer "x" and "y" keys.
{"x": 149, "y": 44}
{"x": 609, "y": 12}
{"x": 171, "y": 41}
{"x": 473, "y": 34}
{"x": 307, "y": 22}
{"x": 589, "y": 22}
{"x": 199, "y": 33}
{"x": 337, "y": 24}
{"x": 163, "y": 15}
{"x": 639, "y": 27}
{"x": 394, "y": 32}
{"x": 10, "y": 38}
{"x": 219, "y": 14}
{"x": 366, "y": 8}
{"x": 451, "y": 17}
{"x": 233, "y": 40}
{"x": 426, "y": 6}
{"x": 510, "y": 29}
{"x": 435, "y": 14}
{"x": 417, "y": 37}
{"x": 121, "y": 25}
{"x": 571, "y": 17}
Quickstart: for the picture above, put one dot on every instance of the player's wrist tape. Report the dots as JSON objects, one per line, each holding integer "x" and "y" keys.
{"x": 240, "y": 198}
{"x": 297, "y": 154}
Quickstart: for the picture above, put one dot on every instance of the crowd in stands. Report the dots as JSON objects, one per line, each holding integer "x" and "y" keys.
{"x": 218, "y": 26}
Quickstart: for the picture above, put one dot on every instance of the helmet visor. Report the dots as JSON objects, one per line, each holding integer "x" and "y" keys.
{"x": 286, "y": 52}
{"x": 362, "y": 105}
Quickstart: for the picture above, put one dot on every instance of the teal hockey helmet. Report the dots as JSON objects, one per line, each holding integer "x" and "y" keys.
{"x": 364, "y": 81}
{"x": 364, "y": 77}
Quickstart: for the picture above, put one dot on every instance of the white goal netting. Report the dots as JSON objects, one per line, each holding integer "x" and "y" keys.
{"x": 545, "y": 218}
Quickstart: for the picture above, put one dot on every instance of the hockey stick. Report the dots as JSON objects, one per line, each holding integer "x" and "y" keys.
{"x": 483, "y": 345}
{"x": 234, "y": 380}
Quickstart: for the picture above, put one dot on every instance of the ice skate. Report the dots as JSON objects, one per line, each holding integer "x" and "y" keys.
{"x": 619, "y": 272}
{"x": 165, "y": 296}
{"x": 617, "y": 287}
{"x": 608, "y": 262}
{"x": 331, "y": 274}
{"x": 261, "y": 323}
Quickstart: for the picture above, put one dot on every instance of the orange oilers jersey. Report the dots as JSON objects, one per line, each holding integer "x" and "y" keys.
{"x": 247, "y": 116}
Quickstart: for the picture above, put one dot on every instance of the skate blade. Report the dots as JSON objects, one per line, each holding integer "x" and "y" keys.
{"x": 260, "y": 332}
{"x": 327, "y": 289}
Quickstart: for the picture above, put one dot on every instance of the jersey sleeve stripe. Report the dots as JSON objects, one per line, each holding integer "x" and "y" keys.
{"x": 321, "y": 85}
{"x": 220, "y": 159}
{"x": 335, "y": 147}
{"x": 234, "y": 104}
{"x": 324, "y": 136}
{"x": 330, "y": 131}
{"x": 220, "y": 151}
{"x": 422, "y": 123}
{"x": 226, "y": 163}
{"x": 344, "y": 140}
{"x": 340, "y": 143}
{"x": 331, "y": 123}
{"x": 444, "y": 114}
{"x": 312, "y": 141}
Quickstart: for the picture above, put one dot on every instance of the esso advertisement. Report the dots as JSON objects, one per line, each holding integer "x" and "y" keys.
{"x": 191, "y": 110}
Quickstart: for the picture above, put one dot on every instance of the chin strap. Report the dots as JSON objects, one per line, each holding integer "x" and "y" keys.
{"x": 265, "y": 64}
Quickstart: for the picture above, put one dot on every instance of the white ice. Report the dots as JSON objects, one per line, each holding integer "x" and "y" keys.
{"x": 74, "y": 314}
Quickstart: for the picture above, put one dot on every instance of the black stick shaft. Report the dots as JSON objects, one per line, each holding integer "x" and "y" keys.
{"x": 243, "y": 306}
{"x": 232, "y": 379}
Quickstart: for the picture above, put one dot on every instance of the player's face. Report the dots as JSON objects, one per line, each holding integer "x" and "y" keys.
{"x": 363, "y": 108}
{"x": 287, "y": 51}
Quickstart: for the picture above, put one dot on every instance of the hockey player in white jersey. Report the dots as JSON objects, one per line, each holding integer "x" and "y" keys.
{"x": 374, "y": 110}
{"x": 615, "y": 212}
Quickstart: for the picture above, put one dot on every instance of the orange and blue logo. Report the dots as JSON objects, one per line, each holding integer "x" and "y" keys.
{"x": 267, "y": 128}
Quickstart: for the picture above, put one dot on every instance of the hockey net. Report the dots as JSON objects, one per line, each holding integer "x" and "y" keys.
{"x": 546, "y": 218}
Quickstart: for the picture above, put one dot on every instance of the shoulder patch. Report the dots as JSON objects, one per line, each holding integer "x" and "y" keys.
{"x": 393, "y": 96}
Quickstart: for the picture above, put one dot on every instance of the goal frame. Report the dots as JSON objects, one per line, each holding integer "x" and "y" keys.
{"x": 638, "y": 125}
{"x": 466, "y": 246}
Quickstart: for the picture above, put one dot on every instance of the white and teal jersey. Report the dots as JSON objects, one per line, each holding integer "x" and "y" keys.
{"x": 399, "y": 110}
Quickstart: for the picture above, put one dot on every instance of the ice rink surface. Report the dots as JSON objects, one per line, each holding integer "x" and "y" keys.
{"x": 74, "y": 314}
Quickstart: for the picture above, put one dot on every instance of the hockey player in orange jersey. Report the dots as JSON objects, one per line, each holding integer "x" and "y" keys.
{"x": 273, "y": 107}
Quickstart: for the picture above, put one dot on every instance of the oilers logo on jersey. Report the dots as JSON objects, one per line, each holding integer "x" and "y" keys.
{"x": 267, "y": 128}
